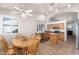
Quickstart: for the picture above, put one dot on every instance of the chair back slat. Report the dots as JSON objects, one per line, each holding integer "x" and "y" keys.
{"x": 36, "y": 36}
{"x": 4, "y": 43}
{"x": 32, "y": 47}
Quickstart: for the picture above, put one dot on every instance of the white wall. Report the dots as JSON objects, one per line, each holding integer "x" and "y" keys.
{"x": 1, "y": 25}
{"x": 27, "y": 26}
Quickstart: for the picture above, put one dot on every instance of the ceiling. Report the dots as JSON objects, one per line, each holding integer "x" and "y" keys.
{"x": 48, "y": 9}
{"x": 37, "y": 7}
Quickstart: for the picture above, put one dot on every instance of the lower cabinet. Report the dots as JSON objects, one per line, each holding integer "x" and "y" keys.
{"x": 54, "y": 38}
{"x": 61, "y": 36}
{"x": 45, "y": 36}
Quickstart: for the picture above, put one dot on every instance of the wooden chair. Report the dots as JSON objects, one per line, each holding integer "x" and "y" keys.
{"x": 6, "y": 49}
{"x": 32, "y": 47}
{"x": 36, "y": 36}
{"x": 18, "y": 35}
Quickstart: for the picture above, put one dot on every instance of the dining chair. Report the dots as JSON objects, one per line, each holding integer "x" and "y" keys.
{"x": 19, "y": 35}
{"x": 5, "y": 46}
{"x": 36, "y": 36}
{"x": 32, "y": 47}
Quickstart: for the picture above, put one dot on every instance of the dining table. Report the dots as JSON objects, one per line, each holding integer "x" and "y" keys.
{"x": 21, "y": 45}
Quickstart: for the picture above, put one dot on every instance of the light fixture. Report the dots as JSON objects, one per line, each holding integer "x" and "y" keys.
{"x": 56, "y": 10}
{"x": 23, "y": 15}
{"x": 23, "y": 11}
{"x": 69, "y": 5}
{"x": 50, "y": 8}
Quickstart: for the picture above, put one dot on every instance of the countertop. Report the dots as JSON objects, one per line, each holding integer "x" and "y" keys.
{"x": 54, "y": 33}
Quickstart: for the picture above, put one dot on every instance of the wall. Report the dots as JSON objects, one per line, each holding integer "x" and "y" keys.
{"x": 27, "y": 26}
{"x": 0, "y": 25}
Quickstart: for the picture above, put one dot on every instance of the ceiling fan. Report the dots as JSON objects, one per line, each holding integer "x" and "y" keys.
{"x": 23, "y": 12}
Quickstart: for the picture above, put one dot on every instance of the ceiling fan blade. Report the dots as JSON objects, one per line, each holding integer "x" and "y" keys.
{"x": 29, "y": 14}
{"x": 18, "y": 9}
{"x": 27, "y": 11}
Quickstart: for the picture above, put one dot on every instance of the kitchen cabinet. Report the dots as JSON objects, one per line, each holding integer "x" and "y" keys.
{"x": 54, "y": 38}
{"x": 49, "y": 26}
{"x": 46, "y": 35}
{"x": 58, "y": 26}
{"x": 61, "y": 36}
{"x": 61, "y": 25}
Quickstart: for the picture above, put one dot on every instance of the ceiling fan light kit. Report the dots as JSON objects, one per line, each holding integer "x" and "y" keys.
{"x": 23, "y": 15}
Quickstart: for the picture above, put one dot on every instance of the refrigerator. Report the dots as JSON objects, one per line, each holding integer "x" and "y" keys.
{"x": 77, "y": 35}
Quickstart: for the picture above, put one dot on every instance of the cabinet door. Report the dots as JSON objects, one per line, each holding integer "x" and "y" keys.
{"x": 42, "y": 35}
{"x": 53, "y": 39}
{"x": 46, "y": 35}
{"x": 61, "y": 36}
{"x": 49, "y": 26}
{"x": 61, "y": 25}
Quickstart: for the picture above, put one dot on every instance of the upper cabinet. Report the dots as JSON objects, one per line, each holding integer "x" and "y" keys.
{"x": 49, "y": 26}
{"x": 55, "y": 26}
{"x": 61, "y": 25}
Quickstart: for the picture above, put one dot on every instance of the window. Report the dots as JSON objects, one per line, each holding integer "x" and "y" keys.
{"x": 10, "y": 25}
{"x": 40, "y": 27}
{"x": 52, "y": 19}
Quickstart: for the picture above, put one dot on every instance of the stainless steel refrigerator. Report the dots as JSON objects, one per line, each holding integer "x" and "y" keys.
{"x": 77, "y": 34}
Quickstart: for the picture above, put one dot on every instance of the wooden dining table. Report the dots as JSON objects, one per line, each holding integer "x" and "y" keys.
{"x": 21, "y": 45}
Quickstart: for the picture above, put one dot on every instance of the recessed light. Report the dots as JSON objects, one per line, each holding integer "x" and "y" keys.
{"x": 56, "y": 10}
{"x": 50, "y": 8}
{"x": 69, "y": 5}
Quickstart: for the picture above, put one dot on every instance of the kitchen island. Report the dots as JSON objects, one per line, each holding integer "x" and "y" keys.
{"x": 55, "y": 37}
